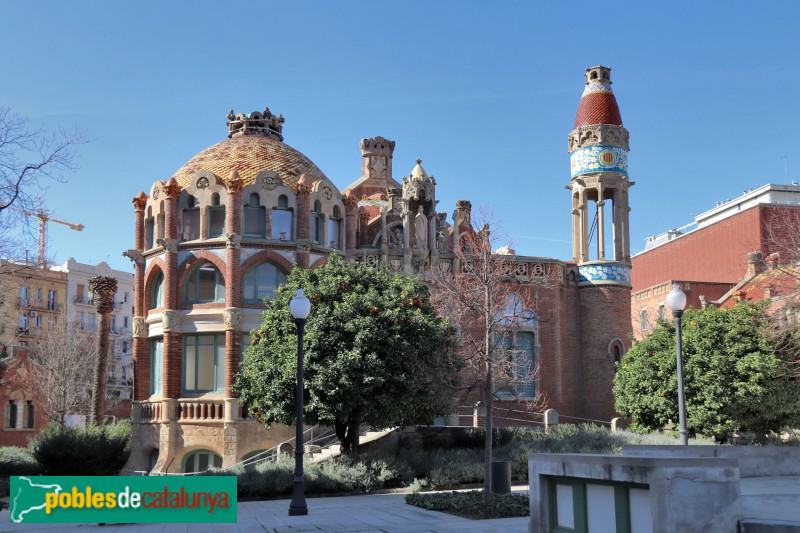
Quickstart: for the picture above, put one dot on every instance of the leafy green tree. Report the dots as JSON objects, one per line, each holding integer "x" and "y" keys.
{"x": 737, "y": 374}
{"x": 375, "y": 353}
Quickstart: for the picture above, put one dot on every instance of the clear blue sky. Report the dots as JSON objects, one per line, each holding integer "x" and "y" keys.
{"x": 485, "y": 93}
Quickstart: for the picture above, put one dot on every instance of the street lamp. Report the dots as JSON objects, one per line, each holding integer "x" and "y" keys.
{"x": 676, "y": 300}
{"x": 300, "y": 306}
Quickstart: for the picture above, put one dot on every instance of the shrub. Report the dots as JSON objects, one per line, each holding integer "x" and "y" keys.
{"x": 90, "y": 451}
{"x": 471, "y": 505}
{"x": 15, "y": 461}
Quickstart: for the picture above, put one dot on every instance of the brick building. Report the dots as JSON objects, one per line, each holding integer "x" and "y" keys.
{"x": 222, "y": 233}
{"x": 711, "y": 257}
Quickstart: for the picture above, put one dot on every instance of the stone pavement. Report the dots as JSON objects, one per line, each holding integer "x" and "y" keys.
{"x": 362, "y": 514}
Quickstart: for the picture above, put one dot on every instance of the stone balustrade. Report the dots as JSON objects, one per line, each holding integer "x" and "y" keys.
{"x": 194, "y": 410}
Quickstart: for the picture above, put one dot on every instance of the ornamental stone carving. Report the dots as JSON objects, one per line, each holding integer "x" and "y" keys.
{"x": 269, "y": 182}
{"x": 327, "y": 192}
{"x": 232, "y": 317}
{"x": 172, "y": 189}
{"x": 202, "y": 183}
{"x": 233, "y": 240}
{"x": 156, "y": 193}
{"x": 140, "y": 201}
{"x": 139, "y": 328}
{"x": 605, "y": 134}
{"x": 171, "y": 321}
{"x": 134, "y": 255}
{"x": 170, "y": 245}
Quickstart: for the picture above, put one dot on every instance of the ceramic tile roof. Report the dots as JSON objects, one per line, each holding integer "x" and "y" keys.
{"x": 598, "y": 106}
{"x": 250, "y": 155}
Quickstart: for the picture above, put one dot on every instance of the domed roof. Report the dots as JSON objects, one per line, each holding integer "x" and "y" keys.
{"x": 251, "y": 155}
{"x": 598, "y": 104}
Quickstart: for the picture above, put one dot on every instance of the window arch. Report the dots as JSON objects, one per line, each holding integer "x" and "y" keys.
{"x": 615, "y": 351}
{"x": 200, "y": 461}
{"x": 149, "y": 229}
{"x": 255, "y": 217}
{"x": 190, "y": 228}
{"x": 282, "y": 219}
{"x": 261, "y": 281}
{"x": 204, "y": 284}
{"x": 162, "y": 224}
{"x": 515, "y": 350}
{"x": 334, "y": 229}
{"x": 157, "y": 291}
{"x": 317, "y": 227}
{"x": 216, "y": 217}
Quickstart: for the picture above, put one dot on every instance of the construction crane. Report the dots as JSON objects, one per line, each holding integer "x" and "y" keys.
{"x": 44, "y": 217}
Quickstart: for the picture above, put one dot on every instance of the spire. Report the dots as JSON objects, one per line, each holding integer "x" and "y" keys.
{"x": 598, "y": 104}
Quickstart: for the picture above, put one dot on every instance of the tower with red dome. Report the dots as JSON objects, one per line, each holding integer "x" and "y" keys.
{"x": 598, "y": 147}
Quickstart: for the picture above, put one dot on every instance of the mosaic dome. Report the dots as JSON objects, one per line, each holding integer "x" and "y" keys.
{"x": 598, "y": 103}
{"x": 250, "y": 153}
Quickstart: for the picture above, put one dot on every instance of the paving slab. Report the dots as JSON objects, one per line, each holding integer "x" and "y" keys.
{"x": 378, "y": 513}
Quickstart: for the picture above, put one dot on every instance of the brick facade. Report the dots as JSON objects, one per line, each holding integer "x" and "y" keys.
{"x": 376, "y": 220}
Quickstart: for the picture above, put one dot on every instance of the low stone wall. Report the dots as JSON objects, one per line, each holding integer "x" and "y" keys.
{"x": 754, "y": 461}
{"x": 684, "y": 493}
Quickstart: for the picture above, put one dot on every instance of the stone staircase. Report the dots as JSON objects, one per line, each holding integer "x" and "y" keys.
{"x": 319, "y": 454}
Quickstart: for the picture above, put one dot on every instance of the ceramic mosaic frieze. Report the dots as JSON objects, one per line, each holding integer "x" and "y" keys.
{"x": 597, "y": 87}
{"x": 598, "y": 159}
{"x": 599, "y": 273}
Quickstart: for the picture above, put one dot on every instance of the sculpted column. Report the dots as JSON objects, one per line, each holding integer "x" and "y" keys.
{"x": 141, "y": 348}
{"x": 173, "y": 356}
{"x": 303, "y": 220}
{"x": 233, "y": 287}
{"x": 351, "y": 219}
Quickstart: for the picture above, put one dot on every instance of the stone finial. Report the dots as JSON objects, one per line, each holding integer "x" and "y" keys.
{"x": 234, "y": 183}
{"x": 598, "y": 74}
{"x": 140, "y": 201}
{"x": 172, "y": 189}
{"x": 377, "y": 146}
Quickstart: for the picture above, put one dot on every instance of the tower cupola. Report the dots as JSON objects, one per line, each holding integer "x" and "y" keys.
{"x": 598, "y": 147}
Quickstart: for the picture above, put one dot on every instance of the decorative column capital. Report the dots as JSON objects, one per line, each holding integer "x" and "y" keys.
{"x": 234, "y": 183}
{"x": 303, "y": 187}
{"x": 172, "y": 189}
{"x": 233, "y": 240}
{"x": 232, "y": 318}
{"x": 171, "y": 321}
{"x": 139, "y": 202}
{"x": 139, "y": 328}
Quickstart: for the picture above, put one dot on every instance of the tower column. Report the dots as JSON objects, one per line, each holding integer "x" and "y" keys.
{"x": 141, "y": 358}
{"x": 173, "y": 340}
{"x": 601, "y": 244}
{"x": 303, "y": 221}
{"x": 351, "y": 219}
{"x": 233, "y": 280}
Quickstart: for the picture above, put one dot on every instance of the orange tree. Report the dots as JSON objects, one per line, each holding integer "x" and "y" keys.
{"x": 738, "y": 375}
{"x": 376, "y": 353}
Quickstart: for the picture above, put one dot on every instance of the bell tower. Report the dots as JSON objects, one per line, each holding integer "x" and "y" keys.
{"x": 598, "y": 148}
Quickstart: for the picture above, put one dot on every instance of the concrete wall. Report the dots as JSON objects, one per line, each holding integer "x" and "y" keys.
{"x": 754, "y": 461}
{"x": 686, "y": 494}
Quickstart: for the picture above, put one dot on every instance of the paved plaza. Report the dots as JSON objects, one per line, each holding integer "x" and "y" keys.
{"x": 368, "y": 513}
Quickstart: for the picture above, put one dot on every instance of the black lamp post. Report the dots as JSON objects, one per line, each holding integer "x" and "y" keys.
{"x": 300, "y": 307}
{"x": 676, "y": 300}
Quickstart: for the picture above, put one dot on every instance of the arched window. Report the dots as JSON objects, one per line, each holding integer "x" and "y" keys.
{"x": 616, "y": 350}
{"x": 317, "y": 233}
{"x": 255, "y": 218}
{"x": 261, "y": 281}
{"x": 216, "y": 217}
{"x": 190, "y": 229}
{"x": 515, "y": 364}
{"x": 152, "y": 459}
{"x": 200, "y": 461}
{"x": 205, "y": 284}
{"x": 149, "y": 229}
{"x": 282, "y": 220}
{"x": 334, "y": 229}
{"x": 157, "y": 292}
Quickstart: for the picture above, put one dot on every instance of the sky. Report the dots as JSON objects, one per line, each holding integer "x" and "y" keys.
{"x": 485, "y": 93}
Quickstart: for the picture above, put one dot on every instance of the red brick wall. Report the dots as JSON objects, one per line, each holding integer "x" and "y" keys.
{"x": 715, "y": 253}
{"x": 14, "y": 386}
